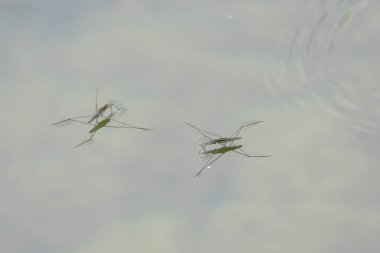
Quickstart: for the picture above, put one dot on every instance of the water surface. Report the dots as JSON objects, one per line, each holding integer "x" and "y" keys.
{"x": 308, "y": 69}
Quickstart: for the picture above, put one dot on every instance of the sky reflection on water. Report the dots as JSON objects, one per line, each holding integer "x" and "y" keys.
{"x": 308, "y": 69}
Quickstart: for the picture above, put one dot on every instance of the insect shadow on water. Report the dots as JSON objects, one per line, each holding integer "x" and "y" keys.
{"x": 225, "y": 145}
{"x": 103, "y": 116}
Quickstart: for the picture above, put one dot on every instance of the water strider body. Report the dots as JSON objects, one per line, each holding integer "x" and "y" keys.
{"x": 101, "y": 124}
{"x": 97, "y": 126}
{"x": 221, "y": 140}
{"x": 100, "y": 111}
{"x": 221, "y": 150}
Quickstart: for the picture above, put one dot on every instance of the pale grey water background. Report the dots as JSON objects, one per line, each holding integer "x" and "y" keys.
{"x": 309, "y": 69}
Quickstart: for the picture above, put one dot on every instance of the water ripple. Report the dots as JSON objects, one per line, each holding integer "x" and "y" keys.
{"x": 326, "y": 56}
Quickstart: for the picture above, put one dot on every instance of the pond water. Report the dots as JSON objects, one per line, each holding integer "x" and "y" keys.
{"x": 308, "y": 68}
